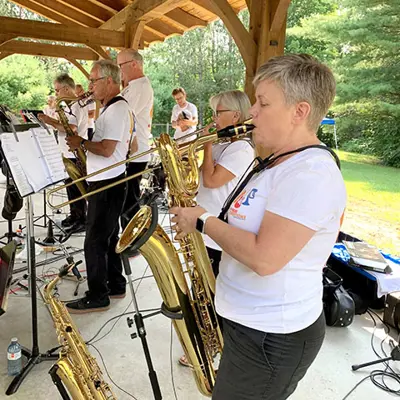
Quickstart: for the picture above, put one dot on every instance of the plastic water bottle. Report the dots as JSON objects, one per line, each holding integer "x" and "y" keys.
{"x": 14, "y": 358}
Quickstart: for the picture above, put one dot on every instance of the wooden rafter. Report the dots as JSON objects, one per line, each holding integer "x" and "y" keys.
{"x": 57, "y": 32}
{"x": 79, "y": 66}
{"x": 111, "y": 5}
{"x": 164, "y": 28}
{"x": 5, "y": 38}
{"x": 183, "y": 19}
{"x": 92, "y": 10}
{"x": 150, "y": 10}
{"x": 48, "y": 50}
{"x": 67, "y": 12}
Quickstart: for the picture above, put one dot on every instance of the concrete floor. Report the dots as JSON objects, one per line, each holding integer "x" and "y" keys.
{"x": 329, "y": 378}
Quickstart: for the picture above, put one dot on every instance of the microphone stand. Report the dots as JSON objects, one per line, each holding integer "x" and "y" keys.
{"x": 394, "y": 356}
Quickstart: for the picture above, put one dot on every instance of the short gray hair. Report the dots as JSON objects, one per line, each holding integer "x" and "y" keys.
{"x": 301, "y": 78}
{"x": 65, "y": 80}
{"x": 233, "y": 100}
{"x": 134, "y": 55}
{"x": 108, "y": 68}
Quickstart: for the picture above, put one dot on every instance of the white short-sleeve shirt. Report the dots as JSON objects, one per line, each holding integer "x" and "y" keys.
{"x": 77, "y": 116}
{"x": 140, "y": 97}
{"x": 307, "y": 188}
{"x": 192, "y": 113}
{"x": 114, "y": 123}
{"x": 235, "y": 157}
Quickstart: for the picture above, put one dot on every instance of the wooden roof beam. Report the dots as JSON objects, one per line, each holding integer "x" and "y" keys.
{"x": 6, "y": 38}
{"x": 112, "y": 6}
{"x": 48, "y": 50}
{"x": 62, "y": 33}
{"x": 243, "y": 39}
{"x": 149, "y": 9}
{"x": 183, "y": 19}
{"x": 92, "y": 10}
{"x": 133, "y": 29}
{"x": 67, "y": 12}
{"x": 164, "y": 28}
{"x": 279, "y": 14}
{"x": 4, "y": 54}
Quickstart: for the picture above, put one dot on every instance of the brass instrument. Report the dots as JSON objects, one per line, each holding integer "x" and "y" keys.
{"x": 198, "y": 331}
{"x": 76, "y": 370}
{"x": 226, "y": 134}
{"x": 78, "y": 170}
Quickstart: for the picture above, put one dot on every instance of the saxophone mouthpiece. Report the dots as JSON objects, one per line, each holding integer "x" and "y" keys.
{"x": 234, "y": 130}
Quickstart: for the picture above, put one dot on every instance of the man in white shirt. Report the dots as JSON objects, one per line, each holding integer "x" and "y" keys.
{"x": 139, "y": 95}
{"x": 91, "y": 110}
{"x": 109, "y": 145}
{"x": 64, "y": 86}
{"x": 184, "y": 116}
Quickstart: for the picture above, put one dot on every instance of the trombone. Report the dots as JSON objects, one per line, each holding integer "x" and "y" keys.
{"x": 226, "y": 134}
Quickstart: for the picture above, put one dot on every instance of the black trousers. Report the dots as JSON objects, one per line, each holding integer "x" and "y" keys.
{"x": 103, "y": 265}
{"x": 132, "y": 206}
{"x": 257, "y": 365}
{"x": 78, "y": 209}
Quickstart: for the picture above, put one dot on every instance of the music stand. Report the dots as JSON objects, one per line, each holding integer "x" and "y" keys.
{"x": 34, "y": 355}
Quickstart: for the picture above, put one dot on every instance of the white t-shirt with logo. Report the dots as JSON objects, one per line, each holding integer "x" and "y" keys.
{"x": 140, "y": 97}
{"x": 307, "y": 188}
{"x": 191, "y": 110}
{"x": 77, "y": 116}
{"x": 235, "y": 157}
{"x": 115, "y": 123}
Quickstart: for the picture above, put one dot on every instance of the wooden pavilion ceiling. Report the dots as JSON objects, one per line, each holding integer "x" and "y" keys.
{"x": 157, "y": 19}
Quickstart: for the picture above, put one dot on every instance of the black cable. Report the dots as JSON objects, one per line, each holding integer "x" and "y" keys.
{"x": 379, "y": 374}
{"x": 172, "y": 366}
{"x": 105, "y": 368}
{"x": 118, "y": 317}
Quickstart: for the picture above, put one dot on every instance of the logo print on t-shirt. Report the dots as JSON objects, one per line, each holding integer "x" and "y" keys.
{"x": 242, "y": 200}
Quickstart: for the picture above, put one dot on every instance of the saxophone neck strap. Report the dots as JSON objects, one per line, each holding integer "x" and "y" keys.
{"x": 261, "y": 166}
{"x": 112, "y": 101}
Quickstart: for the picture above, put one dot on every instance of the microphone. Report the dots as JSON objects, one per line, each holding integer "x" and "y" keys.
{"x": 234, "y": 130}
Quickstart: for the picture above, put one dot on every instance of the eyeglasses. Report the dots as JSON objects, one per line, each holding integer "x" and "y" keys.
{"x": 93, "y": 81}
{"x": 58, "y": 90}
{"x": 126, "y": 62}
{"x": 216, "y": 113}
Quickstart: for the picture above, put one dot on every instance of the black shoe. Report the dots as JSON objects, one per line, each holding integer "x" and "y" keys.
{"x": 86, "y": 305}
{"x": 77, "y": 227}
{"x": 68, "y": 221}
{"x": 116, "y": 294}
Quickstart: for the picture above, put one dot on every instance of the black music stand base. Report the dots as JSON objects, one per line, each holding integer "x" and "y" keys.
{"x": 34, "y": 356}
{"x": 139, "y": 322}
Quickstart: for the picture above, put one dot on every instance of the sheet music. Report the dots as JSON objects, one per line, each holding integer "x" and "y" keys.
{"x": 9, "y": 145}
{"x": 52, "y": 154}
{"x": 35, "y": 159}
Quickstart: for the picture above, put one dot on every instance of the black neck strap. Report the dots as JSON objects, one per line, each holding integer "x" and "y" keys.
{"x": 112, "y": 101}
{"x": 264, "y": 164}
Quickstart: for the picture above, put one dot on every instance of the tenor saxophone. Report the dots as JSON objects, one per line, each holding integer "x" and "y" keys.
{"x": 76, "y": 372}
{"x": 75, "y": 171}
{"x": 198, "y": 331}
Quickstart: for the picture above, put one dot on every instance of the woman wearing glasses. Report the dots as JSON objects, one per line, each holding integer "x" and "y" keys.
{"x": 223, "y": 164}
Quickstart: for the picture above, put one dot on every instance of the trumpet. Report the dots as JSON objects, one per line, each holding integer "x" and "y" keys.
{"x": 223, "y": 135}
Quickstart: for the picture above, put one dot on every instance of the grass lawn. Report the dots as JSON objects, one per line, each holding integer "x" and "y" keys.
{"x": 373, "y": 206}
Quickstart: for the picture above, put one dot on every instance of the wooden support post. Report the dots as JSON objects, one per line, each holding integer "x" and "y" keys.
{"x": 79, "y": 66}
{"x": 267, "y": 29}
{"x": 134, "y": 29}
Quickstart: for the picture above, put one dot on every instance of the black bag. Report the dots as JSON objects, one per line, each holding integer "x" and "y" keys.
{"x": 339, "y": 306}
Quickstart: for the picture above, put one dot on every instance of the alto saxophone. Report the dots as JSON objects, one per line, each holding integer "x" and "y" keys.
{"x": 76, "y": 372}
{"x": 78, "y": 170}
{"x": 198, "y": 331}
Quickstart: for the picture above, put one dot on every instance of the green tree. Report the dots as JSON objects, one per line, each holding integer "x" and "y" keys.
{"x": 22, "y": 83}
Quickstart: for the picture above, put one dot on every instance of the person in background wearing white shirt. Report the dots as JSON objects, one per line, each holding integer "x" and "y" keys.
{"x": 50, "y": 109}
{"x": 64, "y": 86}
{"x": 184, "y": 116}
{"x": 223, "y": 164}
{"x": 139, "y": 95}
{"x": 91, "y": 110}
{"x": 277, "y": 230}
{"x": 109, "y": 145}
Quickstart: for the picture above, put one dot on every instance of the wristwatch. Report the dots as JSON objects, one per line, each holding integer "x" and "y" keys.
{"x": 82, "y": 145}
{"x": 201, "y": 221}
